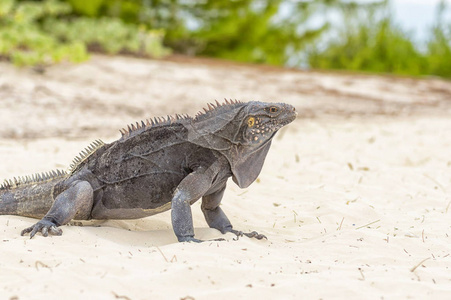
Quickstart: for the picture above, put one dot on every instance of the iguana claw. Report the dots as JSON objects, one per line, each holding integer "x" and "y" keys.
{"x": 44, "y": 227}
{"x": 253, "y": 234}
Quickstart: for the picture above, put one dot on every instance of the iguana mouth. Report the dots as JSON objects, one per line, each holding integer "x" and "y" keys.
{"x": 291, "y": 116}
{"x": 282, "y": 122}
{"x": 288, "y": 120}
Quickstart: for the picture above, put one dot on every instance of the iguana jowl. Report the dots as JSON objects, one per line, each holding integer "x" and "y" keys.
{"x": 156, "y": 165}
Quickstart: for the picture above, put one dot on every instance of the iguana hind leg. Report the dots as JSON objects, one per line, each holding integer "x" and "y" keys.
{"x": 75, "y": 202}
{"x": 216, "y": 218}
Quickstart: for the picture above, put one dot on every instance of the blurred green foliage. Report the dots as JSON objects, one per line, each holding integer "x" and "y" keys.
{"x": 370, "y": 41}
{"x": 89, "y": 8}
{"x": 44, "y": 32}
{"x": 279, "y": 32}
{"x": 247, "y": 30}
{"x": 23, "y": 41}
{"x": 438, "y": 56}
{"x": 243, "y": 30}
{"x": 108, "y": 35}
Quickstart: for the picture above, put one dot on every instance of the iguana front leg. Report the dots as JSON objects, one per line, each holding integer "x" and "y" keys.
{"x": 75, "y": 202}
{"x": 214, "y": 215}
{"x": 216, "y": 218}
{"x": 192, "y": 187}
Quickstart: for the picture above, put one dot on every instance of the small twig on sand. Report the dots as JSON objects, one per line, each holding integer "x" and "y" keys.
{"x": 173, "y": 259}
{"x": 120, "y": 296}
{"x": 361, "y": 273}
{"x": 40, "y": 263}
{"x": 162, "y": 254}
{"x": 421, "y": 262}
{"x": 435, "y": 181}
{"x": 368, "y": 224}
{"x": 339, "y": 228}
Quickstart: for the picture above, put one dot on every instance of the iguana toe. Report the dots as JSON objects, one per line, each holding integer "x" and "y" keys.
{"x": 238, "y": 233}
{"x": 253, "y": 234}
{"x": 43, "y": 226}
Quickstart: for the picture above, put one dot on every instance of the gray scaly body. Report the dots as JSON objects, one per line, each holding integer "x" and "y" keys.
{"x": 156, "y": 165}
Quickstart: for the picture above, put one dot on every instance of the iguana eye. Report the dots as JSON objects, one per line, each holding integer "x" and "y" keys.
{"x": 251, "y": 122}
{"x": 273, "y": 109}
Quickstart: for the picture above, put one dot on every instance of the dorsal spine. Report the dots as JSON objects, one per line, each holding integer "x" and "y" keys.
{"x": 134, "y": 129}
{"x": 32, "y": 179}
{"x": 84, "y": 154}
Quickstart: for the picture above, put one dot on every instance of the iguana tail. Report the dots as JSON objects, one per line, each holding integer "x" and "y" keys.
{"x": 30, "y": 196}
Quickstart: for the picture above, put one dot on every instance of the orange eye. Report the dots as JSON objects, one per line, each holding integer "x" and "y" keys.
{"x": 273, "y": 109}
{"x": 251, "y": 122}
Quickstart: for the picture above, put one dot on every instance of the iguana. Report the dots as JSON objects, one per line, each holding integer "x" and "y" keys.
{"x": 157, "y": 165}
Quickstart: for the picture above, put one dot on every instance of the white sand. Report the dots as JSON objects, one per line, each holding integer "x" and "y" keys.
{"x": 355, "y": 195}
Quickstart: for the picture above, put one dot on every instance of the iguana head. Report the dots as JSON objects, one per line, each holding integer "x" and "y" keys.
{"x": 262, "y": 121}
{"x": 242, "y": 132}
{"x": 258, "y": 126}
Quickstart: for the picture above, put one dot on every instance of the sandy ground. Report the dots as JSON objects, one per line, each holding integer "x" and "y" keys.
{"x": 354, "y": 196}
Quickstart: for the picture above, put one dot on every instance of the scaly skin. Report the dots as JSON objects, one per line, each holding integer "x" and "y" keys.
{"x": 155, "y": 166}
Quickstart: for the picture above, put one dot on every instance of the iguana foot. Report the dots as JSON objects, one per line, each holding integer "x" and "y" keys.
{"x": 192, "y": 239}
{"x": 189, "y": 239}
{"x": 44, "y": 227}
{"x": 253, "y": 234}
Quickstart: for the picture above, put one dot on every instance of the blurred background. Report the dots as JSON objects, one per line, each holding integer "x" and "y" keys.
{"x": 407, "y": 37}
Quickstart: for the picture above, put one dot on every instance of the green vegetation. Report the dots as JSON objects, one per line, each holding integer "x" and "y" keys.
{"x": 22, "y": 40}
{"x": 278, "y": 32}
{"x": 438, "y": 57}
{"x": 40, "y": 33}
{"x": 242, "y": 30}
{"x": 107, "y": 35}
{"x": 246, "y": 30}
{"x": 374, "y": 43}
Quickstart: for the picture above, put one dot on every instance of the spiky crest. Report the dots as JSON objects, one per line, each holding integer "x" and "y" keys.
{"x": 213, "y": 108}
{"x": 84, "y": 154}
{"x": 32, "y": 179}
{"x": 134, "y": 129}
